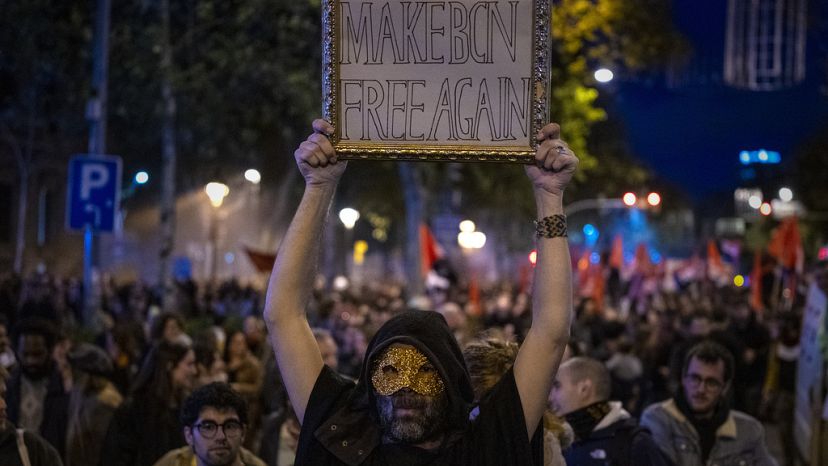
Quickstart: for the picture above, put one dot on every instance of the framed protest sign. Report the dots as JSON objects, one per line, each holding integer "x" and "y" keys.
{"x": 464, "y": 80}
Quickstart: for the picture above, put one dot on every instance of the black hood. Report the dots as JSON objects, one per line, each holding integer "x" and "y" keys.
{"x": 428, "y": 332}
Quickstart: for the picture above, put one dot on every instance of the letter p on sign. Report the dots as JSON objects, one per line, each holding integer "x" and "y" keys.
{"x": 94, "y": 192}
{"x": 93, "y": 176}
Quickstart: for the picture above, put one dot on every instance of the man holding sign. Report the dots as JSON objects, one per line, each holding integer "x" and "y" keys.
{"x": 411, "y": 403}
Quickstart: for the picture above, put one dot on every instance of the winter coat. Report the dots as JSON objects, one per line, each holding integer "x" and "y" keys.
{"x": 740, "y": 440}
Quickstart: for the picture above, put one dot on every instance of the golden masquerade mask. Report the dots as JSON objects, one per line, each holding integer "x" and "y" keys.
{"x": 406, "y": 367}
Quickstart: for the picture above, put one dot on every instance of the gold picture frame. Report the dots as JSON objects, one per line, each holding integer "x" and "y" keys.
{"x": 411, "y": 78}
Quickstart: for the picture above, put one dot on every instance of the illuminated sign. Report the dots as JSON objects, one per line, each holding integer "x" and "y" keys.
{"x": 762, "y": 156}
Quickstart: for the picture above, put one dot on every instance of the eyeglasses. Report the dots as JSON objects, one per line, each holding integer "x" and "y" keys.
{"x": 709, "y": 383}
{"x": 209, "y": 429}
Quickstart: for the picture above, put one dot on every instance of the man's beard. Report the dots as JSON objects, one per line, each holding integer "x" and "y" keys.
{"x": 426, "y": 423}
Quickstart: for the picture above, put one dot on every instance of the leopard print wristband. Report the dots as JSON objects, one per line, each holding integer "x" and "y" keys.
{"x": 553, "y": 226}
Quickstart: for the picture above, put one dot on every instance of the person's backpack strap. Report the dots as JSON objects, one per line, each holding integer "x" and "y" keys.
{"x": 22, "y": 450}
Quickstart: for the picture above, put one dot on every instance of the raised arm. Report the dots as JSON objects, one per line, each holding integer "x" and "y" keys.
{"x": 541, "y": 352}
{"x": 293, "y": 275}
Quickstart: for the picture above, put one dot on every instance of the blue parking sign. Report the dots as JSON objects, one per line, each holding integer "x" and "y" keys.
{"x": 94, "y": 192}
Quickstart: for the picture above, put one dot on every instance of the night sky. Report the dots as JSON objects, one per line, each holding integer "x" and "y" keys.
{"x": 692, "y": 134}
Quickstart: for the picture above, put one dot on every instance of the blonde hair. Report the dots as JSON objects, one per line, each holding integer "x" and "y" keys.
{"x": 488, "y": 358}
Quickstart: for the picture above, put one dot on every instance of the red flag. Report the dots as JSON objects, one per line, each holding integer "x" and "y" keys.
{"x": 474, "y": 295}
{"x": 430, "y": 250}
{"x": 598, "y": 285}
{"x": 263, "y": 261}
{"x": 786, "y": 244}
{"x": 713, "y": 257}
{"x": 616, "y": 260}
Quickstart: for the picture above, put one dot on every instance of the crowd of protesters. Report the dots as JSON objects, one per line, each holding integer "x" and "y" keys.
{"x": 113, "y": 393}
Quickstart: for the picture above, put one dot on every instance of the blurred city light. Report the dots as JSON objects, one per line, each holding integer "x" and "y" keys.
{"x": 603, "y": 75}
{"x": 360, "y": 248}
{"x": 760, "y": 156}
{"x": 216, "y": 192}
{"x": 252, "y": 175}
{"x": 823, "y": 253}
{"x": 467, "y": 226}
{"x": 765, "y": 209}
{"x": 629, "y": 199}
{"x": 471, "y": 239}
{"x": 141, "y": 177}
{"x": 755, "y": 201}
{"x": 785, "y": 195}
{"x": 533, "y": 257}
{"x": 594, "y": 258}
{"x": 229, "y": 258}
{"x": 654, "y": 199}
{"x": 739, "y": 281}
{"x": 340, "y": 283}
{"x": 348, "y": 217}
{"x": 589, "y": 230}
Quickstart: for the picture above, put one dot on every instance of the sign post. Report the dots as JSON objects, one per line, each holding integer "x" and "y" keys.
{"x": 93, "y": 203}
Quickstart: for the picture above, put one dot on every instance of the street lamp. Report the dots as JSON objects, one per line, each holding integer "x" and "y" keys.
{"x": 348, "y": 217}
{"x": 603, "y": 75}
{"x": 216, "y": 192}
{"x": 630, "y": 199}
{"x": 141, "y": 177}
{"x": 252, "y": 175}
{"x": 785, "y": 194}
{"x": 654, "y": 199}
{"x": 468, "y": 238}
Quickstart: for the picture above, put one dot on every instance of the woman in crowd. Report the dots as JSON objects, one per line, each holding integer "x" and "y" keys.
{"x": 146, "y": 426}
{"x": 487, "y": 360}
{"x": 92, "y": 403}
{"x": 245, "y": 374}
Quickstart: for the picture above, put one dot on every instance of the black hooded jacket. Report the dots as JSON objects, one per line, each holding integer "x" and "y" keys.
{"x": 341, "y": 425}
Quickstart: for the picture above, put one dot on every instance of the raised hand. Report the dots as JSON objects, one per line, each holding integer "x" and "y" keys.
{"x": 554, "y": 164}
{"x": 316, "y": 157}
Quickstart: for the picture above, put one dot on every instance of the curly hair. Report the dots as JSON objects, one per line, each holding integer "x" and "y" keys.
{"x": 216, "y": 395}
{"x": 488, "y": 359}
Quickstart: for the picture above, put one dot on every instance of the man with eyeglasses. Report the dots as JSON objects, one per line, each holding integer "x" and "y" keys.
{"x": 214, "y": 419}
{"x": 697, "y": 427}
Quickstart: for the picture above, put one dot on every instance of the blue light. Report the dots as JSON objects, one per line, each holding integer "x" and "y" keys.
{"x": 589, "y": 230}
{"x": 628, "y": 257}
{"x": 761, "y": 156}
{"x": 595, "y": 258}
{"x": 141, "y": 177}
{"x": 655, "y": 256}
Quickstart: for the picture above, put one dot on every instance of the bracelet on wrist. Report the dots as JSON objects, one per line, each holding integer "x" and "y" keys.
{"x": 553, "y": 226}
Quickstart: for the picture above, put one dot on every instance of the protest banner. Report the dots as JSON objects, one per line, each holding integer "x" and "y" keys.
{"x": 436, "y": 80}
{"x": 809, "y": 378}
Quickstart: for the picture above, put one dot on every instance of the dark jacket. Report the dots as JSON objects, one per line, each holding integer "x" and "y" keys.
{"x": 617, "y": 440}
{"x": 40, "y": 452}
{"x": 55, "y": 408}
{"x": 139, "y": 435}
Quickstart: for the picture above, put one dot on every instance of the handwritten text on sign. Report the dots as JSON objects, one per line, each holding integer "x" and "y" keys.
{"x": 446, "y": 72}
